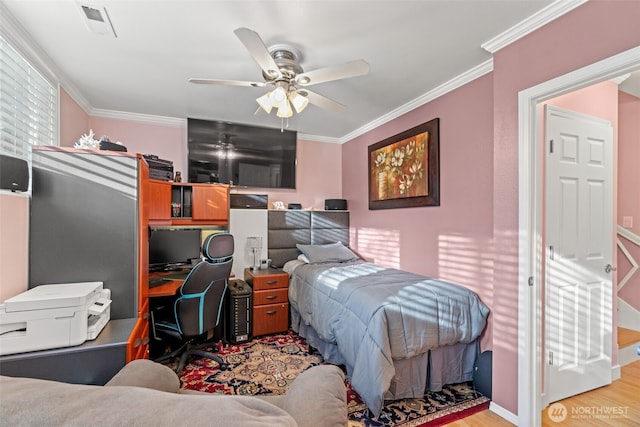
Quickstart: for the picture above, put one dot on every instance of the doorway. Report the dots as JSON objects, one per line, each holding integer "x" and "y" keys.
{"x": 579, "y": 250}
{"x": 530, "y": 208}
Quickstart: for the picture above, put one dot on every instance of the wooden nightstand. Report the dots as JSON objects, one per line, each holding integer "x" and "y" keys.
{"x": 270, "y": 300}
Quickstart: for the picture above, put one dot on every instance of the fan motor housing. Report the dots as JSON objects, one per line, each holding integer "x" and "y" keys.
{"x": 287, "y": 58}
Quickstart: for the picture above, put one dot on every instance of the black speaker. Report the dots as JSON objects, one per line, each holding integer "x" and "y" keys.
{"x": 335, "y": 205}
{"x": 248, "y": 201}
{"x": 14, "y": 173}
{"x": 482, "y": 373}
{"x": 238, "y": 309}
{"x": 112, "y": 146}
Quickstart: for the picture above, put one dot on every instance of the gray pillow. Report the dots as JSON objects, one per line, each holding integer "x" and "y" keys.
{"x": 333, "y": 252}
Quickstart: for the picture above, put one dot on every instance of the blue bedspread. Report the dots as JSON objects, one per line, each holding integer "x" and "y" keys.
{"x": 376, "y": 314}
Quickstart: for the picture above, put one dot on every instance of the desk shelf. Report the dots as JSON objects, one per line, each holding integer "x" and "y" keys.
{"x": 92, "y": 362}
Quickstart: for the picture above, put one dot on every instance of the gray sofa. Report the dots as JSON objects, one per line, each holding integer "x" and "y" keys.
{"x": 145, "y": 393}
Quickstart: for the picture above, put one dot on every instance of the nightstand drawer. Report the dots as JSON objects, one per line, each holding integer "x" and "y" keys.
{"x": 270, "y": 319}
{"x": 270, "y": 296}
{"x": 261, "y": 283}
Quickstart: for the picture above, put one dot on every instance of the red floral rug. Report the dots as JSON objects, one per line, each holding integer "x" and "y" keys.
{"x": 268, "y": 365}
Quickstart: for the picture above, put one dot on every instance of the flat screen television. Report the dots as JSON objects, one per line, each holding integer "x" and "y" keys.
{"x": 241, "y": 155}
{"x": 171, "y": 249}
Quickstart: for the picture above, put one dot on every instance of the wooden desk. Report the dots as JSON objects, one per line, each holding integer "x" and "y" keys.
{"x": 166, "y": 289}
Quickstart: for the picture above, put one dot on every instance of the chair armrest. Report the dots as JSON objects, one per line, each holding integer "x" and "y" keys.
{"x": 147, "y": 374}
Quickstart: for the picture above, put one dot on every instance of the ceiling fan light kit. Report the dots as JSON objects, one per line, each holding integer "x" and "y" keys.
{"x": 283, "y": 98}
{"x": 281, "y": 67}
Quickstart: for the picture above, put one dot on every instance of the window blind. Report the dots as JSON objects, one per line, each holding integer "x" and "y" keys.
{"x": 28, "y": 105}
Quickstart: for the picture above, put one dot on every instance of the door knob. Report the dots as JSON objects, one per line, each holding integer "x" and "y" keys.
{"x": 609, "y": 268}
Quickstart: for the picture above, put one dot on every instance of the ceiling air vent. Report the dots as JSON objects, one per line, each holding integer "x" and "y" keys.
{"x": 97, "y": 19}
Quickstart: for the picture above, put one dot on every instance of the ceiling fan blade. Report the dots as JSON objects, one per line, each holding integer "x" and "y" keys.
{"x": 258, "y": 51}
{"x": 322, "y": 101}
{"x": 227, "y": 82}
{"x": 350, "y": 69}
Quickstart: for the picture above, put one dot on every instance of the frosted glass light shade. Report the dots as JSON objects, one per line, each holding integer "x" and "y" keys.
{"x": 285, "y": 110}
{"x": 265, "y": 102}
{"x": 299, "y": 102}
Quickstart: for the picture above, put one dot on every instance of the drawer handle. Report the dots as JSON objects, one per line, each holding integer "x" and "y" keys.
{"x": 272, "y": 282}
{"x": 145, "y": 341}
{"x": 137, "y": 343}
{"x": 272, "y": 312}
{"x": 271, "y": 296}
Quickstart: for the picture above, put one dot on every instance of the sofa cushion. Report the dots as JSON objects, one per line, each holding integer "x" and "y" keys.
{"x": 27, "y": 401}
{"x": 316, "y": 398}
{"x": 148, "y": 374}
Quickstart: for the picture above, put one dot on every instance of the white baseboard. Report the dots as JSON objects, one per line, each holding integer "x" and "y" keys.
{"x": 616, "y": 372}
{"x": 501, "y": 412}
{"x": 628, "y": 316}
{"x": 628, "y": 354}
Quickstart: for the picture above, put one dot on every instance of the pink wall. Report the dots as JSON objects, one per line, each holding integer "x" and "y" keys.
{"x": 483, "y": 221}
{"x": 629, "y": 159}
{"x": 451, "y": 241}
{"x": 74, "y": 121}
{"x": 628, "y": 190}
{"x": 14, "y": 244}
{"x": 318, "y": 176}
{"x": 166, "y": 142}
{"x": 574, "y": 40}
{"x": 599, "y": 100}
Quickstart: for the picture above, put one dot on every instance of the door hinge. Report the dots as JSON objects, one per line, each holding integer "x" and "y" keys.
{"x": 552, "y": 253}
{"x": 551, "y": 146}
{"x": 551, "y": 358}
{"x": 530, "y": 280}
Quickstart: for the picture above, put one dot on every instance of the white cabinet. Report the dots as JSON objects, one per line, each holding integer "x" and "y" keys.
{"x": 244, "y": 223}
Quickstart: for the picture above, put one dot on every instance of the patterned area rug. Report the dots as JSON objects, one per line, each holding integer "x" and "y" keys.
{"x": 262, "y": 366}
{"x": 269, "y": 364}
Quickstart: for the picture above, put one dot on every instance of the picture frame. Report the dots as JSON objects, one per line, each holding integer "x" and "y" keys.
{"x": 404, "y": 170}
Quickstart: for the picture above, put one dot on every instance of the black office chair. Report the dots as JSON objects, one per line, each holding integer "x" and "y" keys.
{"x": 198, "y": 307}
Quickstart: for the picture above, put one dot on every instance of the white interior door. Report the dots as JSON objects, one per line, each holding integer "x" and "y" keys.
{"x": 579, "y": 243}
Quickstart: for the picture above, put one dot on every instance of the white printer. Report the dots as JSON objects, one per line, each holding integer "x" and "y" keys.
{"x": 52, "y": 316}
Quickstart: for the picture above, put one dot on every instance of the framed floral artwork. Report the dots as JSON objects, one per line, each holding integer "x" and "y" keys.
{"x": 404, "y": 170}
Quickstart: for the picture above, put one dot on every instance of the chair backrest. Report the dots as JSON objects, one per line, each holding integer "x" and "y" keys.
{"x": 198, "y": 307}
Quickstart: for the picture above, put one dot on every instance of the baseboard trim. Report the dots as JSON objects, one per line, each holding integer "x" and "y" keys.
{"x": 501, "y": 412}
{"x": 616, "y": 372}
{"x": 628, "y": 354}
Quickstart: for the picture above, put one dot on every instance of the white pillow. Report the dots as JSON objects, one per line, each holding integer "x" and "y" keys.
{"x": 333, "y": 252}
{"x": 303, "y": 258}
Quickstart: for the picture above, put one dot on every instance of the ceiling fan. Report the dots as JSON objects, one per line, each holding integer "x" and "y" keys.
{"x": 281, "y": 68}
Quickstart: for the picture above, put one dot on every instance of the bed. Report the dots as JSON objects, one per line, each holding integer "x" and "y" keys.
{"x": 397, "y": 333}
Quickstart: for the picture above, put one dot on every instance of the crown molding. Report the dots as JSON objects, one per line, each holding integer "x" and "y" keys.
{"x": 319, "y": 138}
{"x": 532, "y": 23}
{"x": 140, "y": 118}
{"x": 458, "y": 81}
{"x": 11, "y": 29}
{"x": 620, "y": 79}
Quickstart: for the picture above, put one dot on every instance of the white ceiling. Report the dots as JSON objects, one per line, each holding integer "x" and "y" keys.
{"x": 413, "y": 47}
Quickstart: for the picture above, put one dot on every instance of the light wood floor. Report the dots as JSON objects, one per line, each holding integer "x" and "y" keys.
{"x": 622, "y": 395}
{"x": 627, "y": 337}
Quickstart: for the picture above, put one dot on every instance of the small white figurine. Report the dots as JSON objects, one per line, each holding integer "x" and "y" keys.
{"x": 87, "y": 142}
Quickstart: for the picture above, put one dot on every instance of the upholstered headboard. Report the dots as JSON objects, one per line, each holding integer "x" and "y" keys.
{"x": 287, "y": 228}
